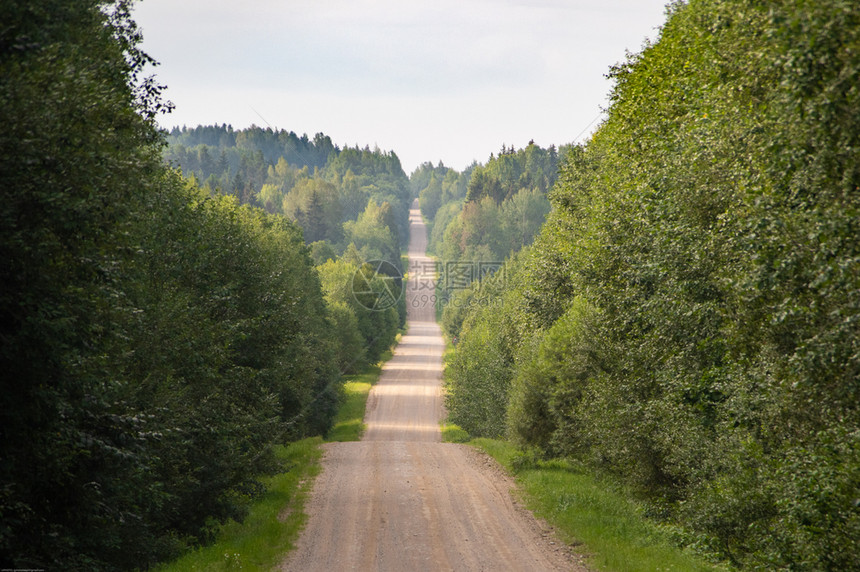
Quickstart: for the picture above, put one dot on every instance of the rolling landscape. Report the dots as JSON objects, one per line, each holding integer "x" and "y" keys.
{"x": 246, "y": 347}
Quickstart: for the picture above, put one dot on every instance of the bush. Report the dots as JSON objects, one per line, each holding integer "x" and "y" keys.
{"x": 711, "y": 225}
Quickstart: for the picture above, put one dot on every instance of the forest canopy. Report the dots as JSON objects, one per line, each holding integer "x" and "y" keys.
{"x": 311, "y": 181}
{"x": 688, "y": 318}
{"x": 480, "y": 217}
{"x": 159, "y": 337}
{"x": 674, "y": 303}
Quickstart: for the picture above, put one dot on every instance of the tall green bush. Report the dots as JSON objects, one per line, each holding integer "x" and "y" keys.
{"x": 551, "y": 380}
{"x": 156, "y": 341}
{"x": 711, "y": 224}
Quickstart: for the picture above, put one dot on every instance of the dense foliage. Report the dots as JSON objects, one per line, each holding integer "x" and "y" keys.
{"x": 157, "y": 339}
{"x": 313, "y": 182}
{"x": 366, "y": 324}
{"x": 689, "y": 317}
{"x": 483, "y": 215}
{"x": 352, "y": 205}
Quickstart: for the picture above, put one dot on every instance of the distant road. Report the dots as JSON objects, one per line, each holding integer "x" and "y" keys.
{"x": 400, "y": 500}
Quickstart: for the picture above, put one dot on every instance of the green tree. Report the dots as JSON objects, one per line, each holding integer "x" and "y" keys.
{"x": 156, "y": 340}
{"x": 430, "y": 197}
{"x": 375, "y": 234}
{"x": 79, "y": 150}
{"x": 315, "y": 204}
{"x": 693, "y": 293}
{"x": 344, "y": 283}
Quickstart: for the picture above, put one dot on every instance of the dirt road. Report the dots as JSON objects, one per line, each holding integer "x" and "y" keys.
{"x": 401, "y": 500}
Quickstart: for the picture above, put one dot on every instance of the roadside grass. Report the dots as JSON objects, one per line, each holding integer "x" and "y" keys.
{"x": 273, "y": 523}
{"x": 349, "y": 421}
{"x": 594, "y": 516}
{"x": 453, "y": 434}
{"x": 348, "y": 425}
{"x": 275, "y": 520}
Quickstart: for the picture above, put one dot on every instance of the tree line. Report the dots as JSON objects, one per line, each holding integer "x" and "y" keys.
{"x": 479, "y": 217}
{"x": 158, "y": 336}
{"x": 351, "y": 203}
{"x": 688, "y": 318}
{"x": 312, "y": 181}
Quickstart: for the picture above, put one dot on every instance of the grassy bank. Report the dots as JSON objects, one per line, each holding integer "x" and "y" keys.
{"x": 276, "y": 519}
{"x": 595, "y": 516}
{"x": 349, "y": 421}
{"x": 273, "y": 523}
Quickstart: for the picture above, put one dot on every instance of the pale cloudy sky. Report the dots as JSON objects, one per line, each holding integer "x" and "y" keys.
{"x": 431, "y": 80}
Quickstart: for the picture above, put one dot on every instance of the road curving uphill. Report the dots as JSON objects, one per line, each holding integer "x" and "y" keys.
{"x": 400, "y": 499}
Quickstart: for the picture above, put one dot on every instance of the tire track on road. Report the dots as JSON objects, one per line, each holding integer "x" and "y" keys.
{"x": 399, "y": 499}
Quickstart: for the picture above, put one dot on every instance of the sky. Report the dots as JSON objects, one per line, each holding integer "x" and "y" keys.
{"x": 431, "y": 80}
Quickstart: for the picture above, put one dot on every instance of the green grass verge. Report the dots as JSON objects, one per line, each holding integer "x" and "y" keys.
{"x": 273, "y": 523}
{"x": 453, "y": 434}
{"x": 349, "y": 421}
{"x": 596, "y": 516}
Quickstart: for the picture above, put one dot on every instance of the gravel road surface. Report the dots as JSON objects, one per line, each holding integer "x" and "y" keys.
{"x": 400, "y": 499}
